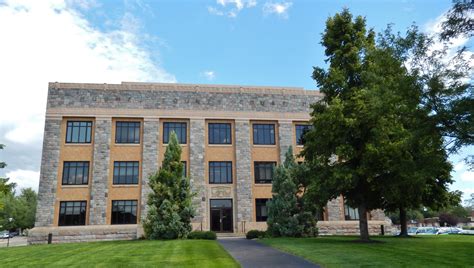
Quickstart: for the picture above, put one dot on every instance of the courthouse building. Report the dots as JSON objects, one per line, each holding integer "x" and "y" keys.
{"x": 102, "y": 141}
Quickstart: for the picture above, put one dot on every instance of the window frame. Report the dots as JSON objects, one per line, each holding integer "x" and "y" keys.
{"x": 116, "y": 219}
{"x": 260, "y": 139}
{"x": 257, "y": 165}
{"x": 228, "y": 167}
{"x": 116, "y": 177}
{"x": 167, "y": 131}
{"x": 225, "y": 127}
{"x": 348, "y": 216}
{"x": 128, "y": 125}
{"x": 67, "y": 166}
{"x": 82, "y": 216}
{"x": 260, "y": 218}
{"x": 70, "y": 131}
{"x": 305, "y": 128}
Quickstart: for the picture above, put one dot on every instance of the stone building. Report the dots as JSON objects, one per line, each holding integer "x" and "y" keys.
{"x": 101, "y": 142}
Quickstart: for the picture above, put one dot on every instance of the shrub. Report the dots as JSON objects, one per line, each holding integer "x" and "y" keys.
{"x": 205, "y": 235}
{"x": 252, "y": 234}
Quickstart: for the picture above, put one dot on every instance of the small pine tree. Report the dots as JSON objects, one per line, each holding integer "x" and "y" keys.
{"x": 170, "y": 202}
{"x": 287, "y": 214}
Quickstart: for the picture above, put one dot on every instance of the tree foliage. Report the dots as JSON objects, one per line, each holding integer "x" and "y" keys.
{"x": 169, "y": 204}
{"x": 287, "y": 213}
{"x": 460, "y": 20}
{"x": 21, "y": 209}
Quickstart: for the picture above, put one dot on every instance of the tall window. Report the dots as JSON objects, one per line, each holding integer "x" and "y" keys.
{"x": 220, "y": 172}
{"x": 184, "y": 169}
{"x": 78, "y": 131}
{"x": 264, "y": 171}
{"x": 126, "y": 172}
{"x": 72, "y": 213}
{"x": 261, "y": 209}
{"x": 124, "y": 211}
{"x": 264, "y": 134}
{"x": 127, "y": 132}
{"x": 220, "y": 133}
{"x": 178, "y": 127}
{"x": 350, "y": 213}
{"x": 75, "y": 173}
{"x": 300, "y": 132}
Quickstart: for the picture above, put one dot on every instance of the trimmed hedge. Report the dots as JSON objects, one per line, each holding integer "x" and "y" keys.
{"x": 205, "y": 235}
{"x": 252, "y": 234}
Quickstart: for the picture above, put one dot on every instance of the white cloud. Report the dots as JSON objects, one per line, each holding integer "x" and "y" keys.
{"x": 24, "y": 178}
{"x": 230, "y": 8}
{"x": 467, "y": 176}
{"x": 278, "y": 8}
{"x": 50, "y": 40}
{"x": 210, "y": 75}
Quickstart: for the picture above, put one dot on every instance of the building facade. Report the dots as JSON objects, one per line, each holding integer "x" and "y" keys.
{"x": 102, "y": 141}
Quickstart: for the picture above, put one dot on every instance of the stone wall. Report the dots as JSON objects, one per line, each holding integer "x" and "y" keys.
{"x": 351, "y": 227}
{"x": 150, "y": 159}
{"x": 68, "y": 234}
{"x": 285, "y": 135}
{"x": 243, "y": 178}
{"x": 197, "y": 165}
{"x": 335, "y": 210}
{"x": 100, "y": 171}
{"x": 49, "y": 172}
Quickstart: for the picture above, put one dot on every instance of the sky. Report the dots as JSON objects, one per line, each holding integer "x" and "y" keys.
{"x": 245, "y": 42}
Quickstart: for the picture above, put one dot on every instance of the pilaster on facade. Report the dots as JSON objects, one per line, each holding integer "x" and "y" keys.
{"x": 197, "y": 164}
{"x": 243, "y": 166}
{"x": 49, "y": 172}
{"x": 285, "y": 137}
{"x": 335, "y": 209}
{"x": 100, "y": 171}
{"x": 150, "y": 159}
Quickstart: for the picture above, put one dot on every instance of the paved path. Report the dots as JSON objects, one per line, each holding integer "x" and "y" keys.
{"x": 251, "y": 253}
{"x": 14, "y": 241}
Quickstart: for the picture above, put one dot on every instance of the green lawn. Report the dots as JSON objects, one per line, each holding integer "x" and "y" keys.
{"x": 421, "y": 251}
{"x": 140, "y": 253}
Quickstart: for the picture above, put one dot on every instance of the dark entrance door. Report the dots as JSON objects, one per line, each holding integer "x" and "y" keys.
{"x": 221, "y": 215}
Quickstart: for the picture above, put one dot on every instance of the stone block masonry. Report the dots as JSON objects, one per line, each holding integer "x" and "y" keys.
{"x": 197, "y": 164}
{"x": 150, "y": 159}
{"x": 244, "y": 180}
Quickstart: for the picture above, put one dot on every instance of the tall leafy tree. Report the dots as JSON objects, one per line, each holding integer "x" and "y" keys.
{"x": 460, "y": 20}
{"x": 170, "y": 202}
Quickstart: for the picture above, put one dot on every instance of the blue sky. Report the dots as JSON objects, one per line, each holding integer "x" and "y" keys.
{"x": 247, "y": 42}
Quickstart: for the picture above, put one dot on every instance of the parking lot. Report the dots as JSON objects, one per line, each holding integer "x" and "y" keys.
{"x": 14, "y": 241}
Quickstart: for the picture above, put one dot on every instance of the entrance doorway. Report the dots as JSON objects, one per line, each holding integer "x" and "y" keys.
{"x": 221, "y": 215}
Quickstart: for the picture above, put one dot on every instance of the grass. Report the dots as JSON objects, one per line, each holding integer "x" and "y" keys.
{"x": 421, "y": 251}
{"x": 139, "y": 253}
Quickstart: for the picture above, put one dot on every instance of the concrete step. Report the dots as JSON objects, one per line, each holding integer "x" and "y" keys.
{"x": 230, "y": 235}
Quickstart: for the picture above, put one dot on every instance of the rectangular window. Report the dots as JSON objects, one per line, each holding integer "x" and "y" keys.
{"x": 72, "y": 213}
{"x": 220, "y": 172}
{"x": 261, "y": 207}
{"x": 264, "y": 171}
{"x": 127, "y": 132}
{"x": 184, "y": 169}
{"x": 178, "y": 127}
{"x": 300, "y": 132}
{"x": 350, "y": 213}
{"x": 220, "y": 133}
{"x": 124, "y": 212}
{"x": 264, "y": 134}
{"x": 126, "y": 172}
{"x": 78, "y": 131}
{"x": 75, "y": 173}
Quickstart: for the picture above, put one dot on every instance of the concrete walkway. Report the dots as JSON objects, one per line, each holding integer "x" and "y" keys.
{"x": 250, "y": 253}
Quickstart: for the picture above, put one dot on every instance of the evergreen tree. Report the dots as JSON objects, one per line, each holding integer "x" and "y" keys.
{"x": 170, "y": 208}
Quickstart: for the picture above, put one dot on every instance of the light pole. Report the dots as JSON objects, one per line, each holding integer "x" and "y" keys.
{"x": 9, "y": 221}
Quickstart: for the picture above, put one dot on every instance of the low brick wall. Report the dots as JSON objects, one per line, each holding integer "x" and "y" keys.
{"x": 67, "y": 234}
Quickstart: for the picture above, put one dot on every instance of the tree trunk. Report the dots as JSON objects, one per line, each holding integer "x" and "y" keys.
{"x": 403, "y": 222}
{"x": 363, "y": 224}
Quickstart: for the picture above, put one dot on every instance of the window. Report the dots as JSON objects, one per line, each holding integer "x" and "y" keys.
{"x": 178, "y": 128}
{"x": 220, "y": 172}
{"x": 124, "y": 212}
{"x": 184, "y": 169}
{"x": 78, "y": 131}
{"x": 219, "y": 133}
{"x": 75, "y": 173}
{"x": 261, "y": 207}
{"x": 264, "y": 171}
{"x": 350, "y": 213}
{"x": 300, "y": 132}
{"x": 126, "y": 172}
{"x": 127, "y": 132}
{"x": 264, "y": 134}
{"x": 72, "y": 213}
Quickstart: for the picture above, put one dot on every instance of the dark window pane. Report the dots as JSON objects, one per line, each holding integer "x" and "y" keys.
{"x": 78, "y": 131}
{"x": 301, "y": 130}
{"x": 261, "y": 209}
{"x": 220, "y": 172}
{"x": 221, "y": 203}
{"x": 220, "y": 133}
{"x": 124, "y": 212}
{"x": 264, "y": 134}
{"x": 263, "y": 171}
{"x": 178, "y": 127}
{"x": 75, "y": 173}
{"x": 127, "y": 132}
{"x": 350, "y": 213}
{"x": 72, "y": 213}
{"x": 126, "y": 172}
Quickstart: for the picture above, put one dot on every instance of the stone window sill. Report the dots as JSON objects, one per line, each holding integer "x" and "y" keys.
{"x": 77, "y": 144}
{"x": 75, "y": 186}
{"x": 124, "y": 185}
{"x": 263, "y": 184}
{"x": 128, "y": 144}
{"x": 264, "y": 146}
{"x": 220, "y": 145}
